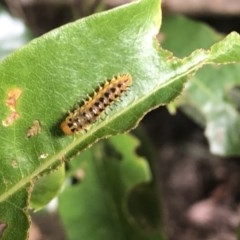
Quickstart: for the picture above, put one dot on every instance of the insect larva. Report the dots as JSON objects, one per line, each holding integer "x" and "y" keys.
{"x": 94, "y": 106}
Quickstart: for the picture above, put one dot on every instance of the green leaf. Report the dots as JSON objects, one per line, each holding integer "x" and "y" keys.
{"x": 207, "y": 98}
{"x": 226, "y": 51}
{"x": 14, "y": 221}
{"x": 46, "y": 188}
{"x": 42, "y": 81}
{"x": 179, "y": 31}
{"x": 107, "y": 172}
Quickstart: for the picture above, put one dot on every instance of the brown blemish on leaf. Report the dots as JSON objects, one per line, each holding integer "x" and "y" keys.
{"x": 14, "y": 164}
{"x": 13, "y": 96}
{"x": 12, "y": 117}
{"x": 11, "y": 102}
{"x": 34, "y": 129}
{"x": 3, "y": 226}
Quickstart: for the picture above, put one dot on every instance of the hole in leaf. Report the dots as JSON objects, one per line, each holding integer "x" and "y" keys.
{"x": 78, "y": 176}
